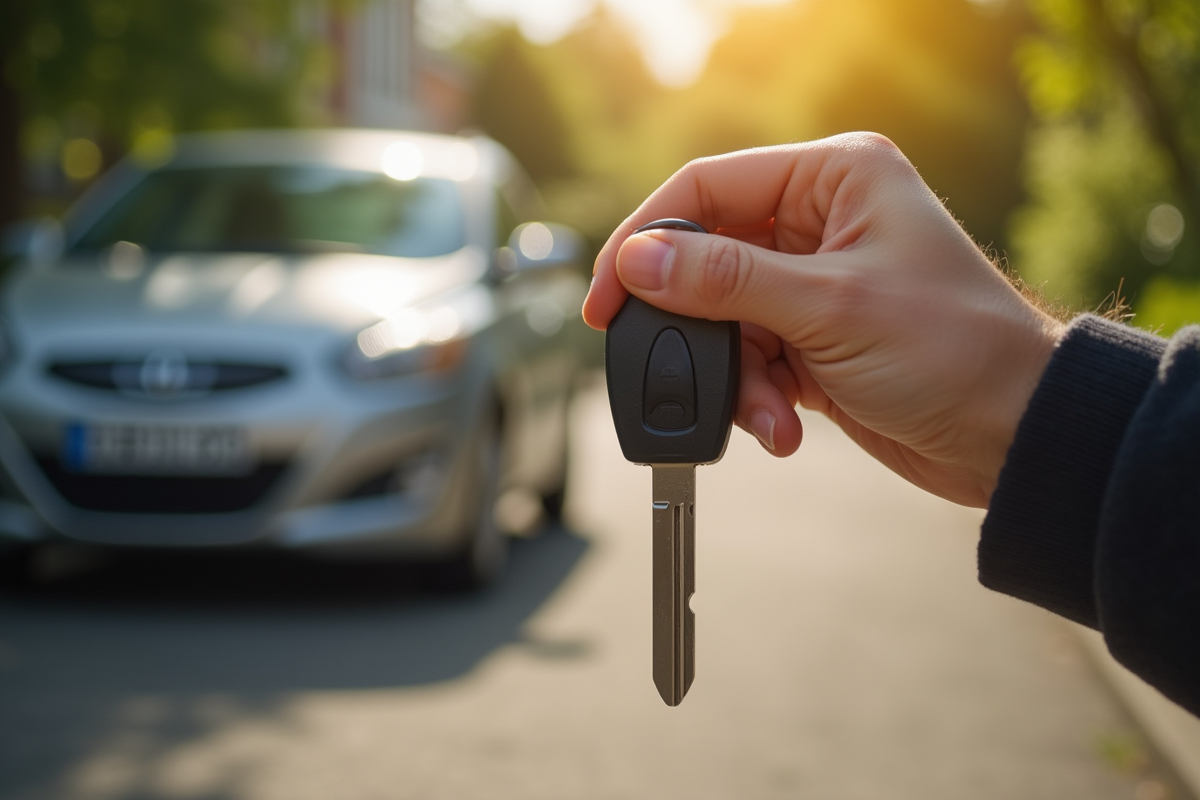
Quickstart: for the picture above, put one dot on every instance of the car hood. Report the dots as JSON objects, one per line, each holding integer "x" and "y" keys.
{"x": 227, "y": 293}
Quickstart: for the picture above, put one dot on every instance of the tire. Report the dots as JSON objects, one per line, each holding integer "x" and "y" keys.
{"x": 555, "y": 500}
{"x": 484, "y": 554}
{"x": 14, "y": 565}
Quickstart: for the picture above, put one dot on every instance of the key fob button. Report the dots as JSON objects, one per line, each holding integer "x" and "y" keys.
{"x": 670, "y": 416}
{"x": 669, "y": 401}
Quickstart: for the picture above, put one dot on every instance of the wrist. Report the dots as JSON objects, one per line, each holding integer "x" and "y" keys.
{"x": 1016, "y": 370}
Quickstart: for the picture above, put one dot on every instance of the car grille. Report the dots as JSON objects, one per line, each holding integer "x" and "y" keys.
{"x": 126, "y": 376}
{"x": 162, "y": 494}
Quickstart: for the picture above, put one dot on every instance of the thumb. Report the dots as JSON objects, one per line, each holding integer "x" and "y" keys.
{"x": 715, "y": 277}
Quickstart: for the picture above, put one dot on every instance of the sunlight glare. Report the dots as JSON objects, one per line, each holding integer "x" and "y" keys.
{"x": 675, "y": 36}
{"x": 540, "y": 21}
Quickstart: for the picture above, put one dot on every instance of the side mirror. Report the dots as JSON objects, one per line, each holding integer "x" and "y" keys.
{"x": 543, "y": 245}
{"x": 37, "y": 242}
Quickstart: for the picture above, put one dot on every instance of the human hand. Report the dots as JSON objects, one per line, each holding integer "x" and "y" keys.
{"x": 860, "y": 297}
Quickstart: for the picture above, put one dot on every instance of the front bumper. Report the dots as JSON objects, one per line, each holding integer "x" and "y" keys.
{"x": 338, "y": 467}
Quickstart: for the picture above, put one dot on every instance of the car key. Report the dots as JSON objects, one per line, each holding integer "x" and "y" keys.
{"x": 672, "y": 388}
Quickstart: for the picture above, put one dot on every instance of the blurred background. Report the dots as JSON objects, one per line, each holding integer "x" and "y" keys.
{"x": 1063, "y": 133}
{"x": 845, "y": 648}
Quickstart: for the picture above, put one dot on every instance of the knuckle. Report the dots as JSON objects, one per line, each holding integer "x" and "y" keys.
{"x": 873, "y": 144}
{"x": 692, "y": 171}
{"x": 694, "y": 174}
{"x": 875, "y": 149}
{"x": 696, "y": 164}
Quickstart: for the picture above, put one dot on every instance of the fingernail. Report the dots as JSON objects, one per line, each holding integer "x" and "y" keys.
{"x": 644, "y": 262}
{"x": 762, "y": 425}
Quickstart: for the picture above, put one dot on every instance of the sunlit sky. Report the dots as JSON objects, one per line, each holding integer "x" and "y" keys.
{"x": 674, "y": 35}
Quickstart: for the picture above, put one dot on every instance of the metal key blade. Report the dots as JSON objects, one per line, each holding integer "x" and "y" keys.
{"x": 674, "y": 569}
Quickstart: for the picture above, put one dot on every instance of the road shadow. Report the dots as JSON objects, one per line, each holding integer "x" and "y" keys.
{"x": 166, "y": 647}
{"x": 200, "y": 622}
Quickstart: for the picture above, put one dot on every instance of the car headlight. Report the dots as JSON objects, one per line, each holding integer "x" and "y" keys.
{"x": 428, "y": 338}
{"x": 409, "y": 342}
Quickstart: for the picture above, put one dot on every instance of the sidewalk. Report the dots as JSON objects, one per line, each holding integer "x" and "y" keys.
{"x": 1174, "y": 733}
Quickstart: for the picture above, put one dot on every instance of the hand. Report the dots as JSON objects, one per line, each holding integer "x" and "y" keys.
{"x": 860, "y": 297}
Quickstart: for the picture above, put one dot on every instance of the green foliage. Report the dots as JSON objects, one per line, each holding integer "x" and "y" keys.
{"x": 126, "y": 73}
{"x": 933, "y": 75}
{"x": 1124, "y": 752}
{"x": 573, "y": 112}
{"x": 1092, "y": 188}
{"x": 1115, "y": 90}
{"x": 1168, "y": 304}
{"x": 513, "y": 103}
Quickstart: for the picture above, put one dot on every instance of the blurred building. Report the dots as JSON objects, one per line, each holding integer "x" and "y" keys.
{"x": 380, "y": 74}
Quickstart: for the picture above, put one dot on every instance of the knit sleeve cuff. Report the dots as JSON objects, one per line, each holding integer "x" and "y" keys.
{"x": 1038, "y": 539}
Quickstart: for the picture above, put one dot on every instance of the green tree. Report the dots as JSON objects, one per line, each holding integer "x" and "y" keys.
{"x": 1113, "y": 163}
{"x": 85, "y": 81}
{"x": 574, "y": 113}
{"x": 600, "y": 134}
{"x": 933, "y": 75}
{"x": 513, "y": 104}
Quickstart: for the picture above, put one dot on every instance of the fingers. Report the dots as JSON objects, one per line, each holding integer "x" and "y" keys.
{"x": 714, "y": 277}
{"x": 780, "y": 198}
{"x": 766, "y": 402}
{"x": 750, "y": 185}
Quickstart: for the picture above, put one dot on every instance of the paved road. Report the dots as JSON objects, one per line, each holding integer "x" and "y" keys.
{"x": 845, "y": 651}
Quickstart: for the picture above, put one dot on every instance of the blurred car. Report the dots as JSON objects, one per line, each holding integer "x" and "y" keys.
{"x": 333, "y": 341}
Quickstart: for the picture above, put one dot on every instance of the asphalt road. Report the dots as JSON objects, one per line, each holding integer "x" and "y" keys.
{"x": 845, "y": 651}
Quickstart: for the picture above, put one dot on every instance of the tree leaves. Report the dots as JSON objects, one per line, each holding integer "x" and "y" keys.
{"x": 1114, "y": 86}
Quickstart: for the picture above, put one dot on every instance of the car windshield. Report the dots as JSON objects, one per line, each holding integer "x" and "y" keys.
{"x": 283, "y": 209}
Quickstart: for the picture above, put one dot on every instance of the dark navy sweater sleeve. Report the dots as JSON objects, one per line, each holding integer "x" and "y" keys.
{"x": 1096, "y": 515}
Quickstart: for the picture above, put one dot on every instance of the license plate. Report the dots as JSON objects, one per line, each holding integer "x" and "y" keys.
{"x": 156, "y": 449}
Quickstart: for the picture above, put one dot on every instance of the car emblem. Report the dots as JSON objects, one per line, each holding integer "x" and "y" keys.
{"x": 164, "y": 372}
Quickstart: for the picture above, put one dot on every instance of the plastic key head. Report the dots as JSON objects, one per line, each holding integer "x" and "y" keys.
{"x": 672, "y": 380}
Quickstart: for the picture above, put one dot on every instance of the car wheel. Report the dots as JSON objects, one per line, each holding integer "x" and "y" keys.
{"x": 14, "y": 565}
{"x": 555, "y": 500}
{"x": 484, "y": 553}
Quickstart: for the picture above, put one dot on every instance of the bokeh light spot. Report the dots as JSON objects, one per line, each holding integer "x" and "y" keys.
{"x": 402, "y": 161}
{"x": 536, "y": 241}
{"x": 153, "y": 147}
{"x": 1164, "y": 226}
{"x": 81, "y": 159}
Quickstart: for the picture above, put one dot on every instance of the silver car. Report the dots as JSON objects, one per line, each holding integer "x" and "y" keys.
{"x": 345, "y": 342}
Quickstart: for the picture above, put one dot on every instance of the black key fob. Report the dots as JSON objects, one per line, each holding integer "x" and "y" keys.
{"x": 672, "y": 380}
